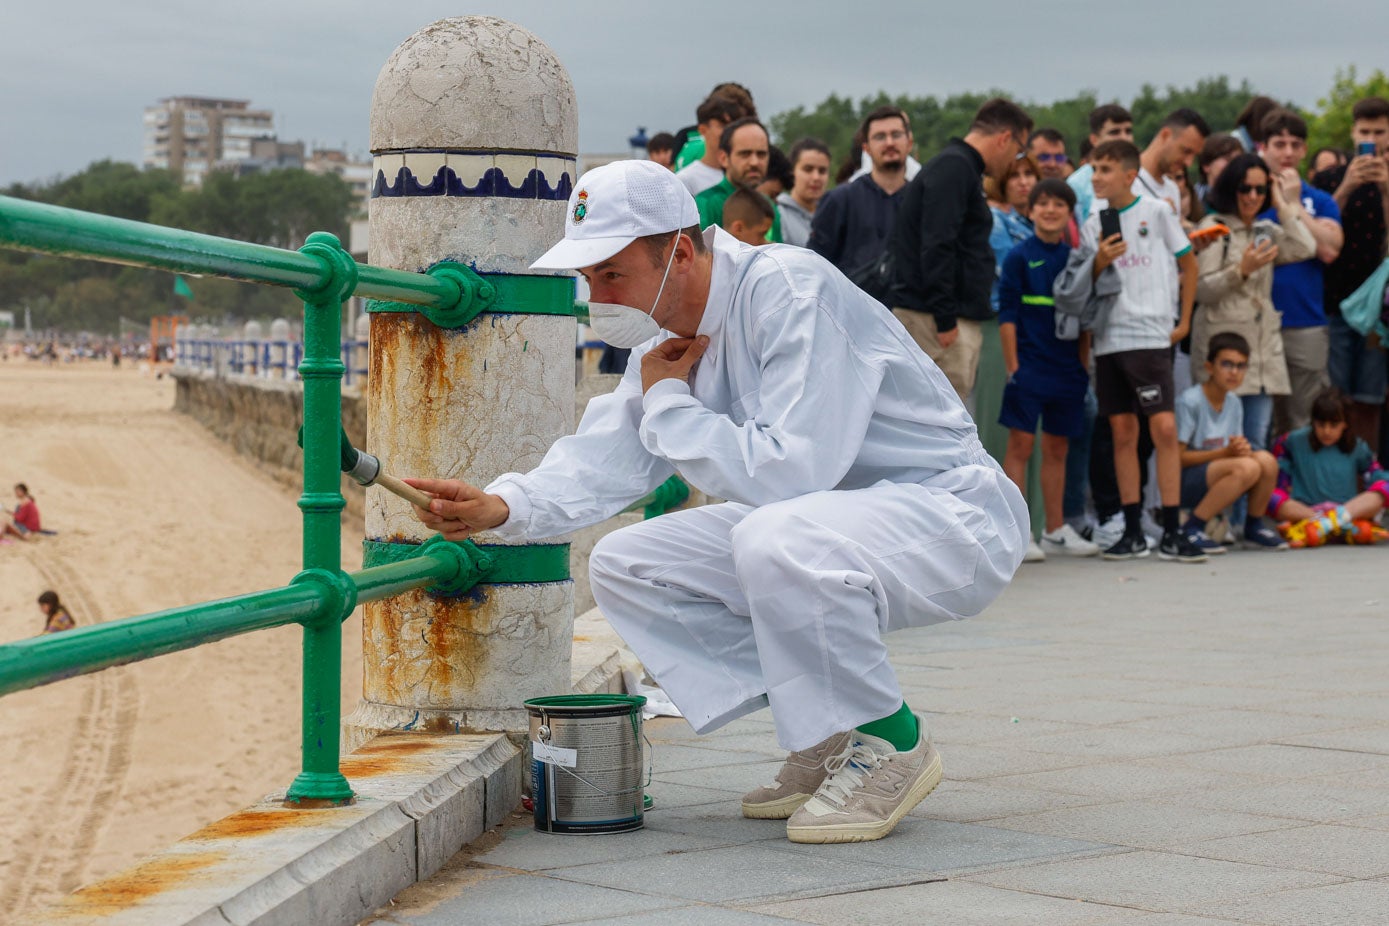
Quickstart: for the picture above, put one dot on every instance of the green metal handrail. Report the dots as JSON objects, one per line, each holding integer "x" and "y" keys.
{"x": 321, "y": 596}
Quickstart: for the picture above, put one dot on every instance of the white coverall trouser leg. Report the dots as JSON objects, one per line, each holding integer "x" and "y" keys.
{"x": 732, "y": 608}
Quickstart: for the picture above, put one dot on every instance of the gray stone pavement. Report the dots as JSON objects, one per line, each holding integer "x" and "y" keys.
{"x": 1140, "y": 743}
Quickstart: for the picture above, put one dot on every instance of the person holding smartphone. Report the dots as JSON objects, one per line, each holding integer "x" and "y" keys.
{"x": 1141, "y": 239}
{"x": 1235, "y": 287}
{"x": 1361, "y": 189}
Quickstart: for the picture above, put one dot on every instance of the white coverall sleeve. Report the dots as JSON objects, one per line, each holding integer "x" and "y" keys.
{"x": 816, "y": 399}
{"x": 588, "y": 476}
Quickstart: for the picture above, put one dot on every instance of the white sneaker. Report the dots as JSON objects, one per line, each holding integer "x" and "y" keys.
{"x": 1108, "y": 532}
{"x": 1034, "y": 553}
{"x": 1065, "y": 541}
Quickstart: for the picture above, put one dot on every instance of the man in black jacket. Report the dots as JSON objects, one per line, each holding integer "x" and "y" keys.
{"x": 943, "y": 266}
{"x": 854, "y": 220}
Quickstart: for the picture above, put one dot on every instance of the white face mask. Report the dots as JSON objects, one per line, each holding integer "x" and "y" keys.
{"x": 623, "y": 326}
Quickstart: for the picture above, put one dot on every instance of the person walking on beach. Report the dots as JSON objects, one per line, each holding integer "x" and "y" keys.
{"x": 860, "y": 499}
{"x": 55, "y": 617}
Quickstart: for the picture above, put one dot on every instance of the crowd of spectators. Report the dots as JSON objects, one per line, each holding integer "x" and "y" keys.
{"x": 1189, "y": 325}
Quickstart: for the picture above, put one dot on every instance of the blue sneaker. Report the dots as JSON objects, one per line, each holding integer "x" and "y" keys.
{"x": 1199, "y": 539}
{"x": 1264, "y": 537}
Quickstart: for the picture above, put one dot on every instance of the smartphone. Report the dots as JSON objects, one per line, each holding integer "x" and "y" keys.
{"x": 1366, "y": 148}
{"x": 1109, "y": 224}
{"x": 1262, "y": 239}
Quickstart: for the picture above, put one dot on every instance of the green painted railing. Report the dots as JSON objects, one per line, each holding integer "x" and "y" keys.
{"x": 322, "y": 596}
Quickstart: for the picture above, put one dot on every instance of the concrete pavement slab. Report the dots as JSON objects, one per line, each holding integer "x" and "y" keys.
{"x": 941, "y": 847}
{"x": 1157, "y": 881}
{"x": 739, "y": 873}
{"x": 1353, "y": 903}
{"x": 1355, "y": 852}
{"x": 524, "y": 900}
{"x": 525, "y": 849}
{"x": 958, "y": 903}
{"x": 1146, "y": 825}
{"x": 1187, "y": 753}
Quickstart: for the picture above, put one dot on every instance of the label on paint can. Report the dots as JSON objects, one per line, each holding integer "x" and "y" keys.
{"x": 556, "y": 755}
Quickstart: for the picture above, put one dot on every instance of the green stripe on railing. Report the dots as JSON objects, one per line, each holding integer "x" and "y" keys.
{"x": 515, "y": 294}
{"x": 1038, "y": 300}
{"x": 509, "y": 565}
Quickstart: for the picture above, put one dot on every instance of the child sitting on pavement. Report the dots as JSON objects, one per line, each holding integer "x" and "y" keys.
{"x": 1218, "y": 465}
{"x": 1047, "y": 379}
{"x": 1329, "y": 482}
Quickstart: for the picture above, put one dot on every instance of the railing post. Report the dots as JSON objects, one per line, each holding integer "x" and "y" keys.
{"x": 322, "y": 504}
{"x": 479, "y": 173}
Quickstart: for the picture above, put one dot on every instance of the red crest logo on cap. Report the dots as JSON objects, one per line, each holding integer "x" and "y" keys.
{"x": 581, "y": 207}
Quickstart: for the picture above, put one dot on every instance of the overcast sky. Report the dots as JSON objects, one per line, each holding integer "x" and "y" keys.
{"x": 78, "y": 73}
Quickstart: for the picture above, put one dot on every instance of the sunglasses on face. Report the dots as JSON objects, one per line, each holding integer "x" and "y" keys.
{"x": 1261, "y": 188}
{"x": 1050, "y": 158}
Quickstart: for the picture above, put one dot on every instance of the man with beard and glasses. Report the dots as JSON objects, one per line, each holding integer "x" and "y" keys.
{"x": 744, "y": 150}
{"x": 852, "y": 224}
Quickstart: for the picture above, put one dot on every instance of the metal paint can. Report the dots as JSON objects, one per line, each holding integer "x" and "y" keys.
{"x": 586, "y": 763}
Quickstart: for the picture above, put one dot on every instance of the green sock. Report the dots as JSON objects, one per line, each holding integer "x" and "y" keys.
{"x": 898, "y": 728}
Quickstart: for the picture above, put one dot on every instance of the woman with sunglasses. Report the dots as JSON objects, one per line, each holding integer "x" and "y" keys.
{"x": 1236, "y": 282}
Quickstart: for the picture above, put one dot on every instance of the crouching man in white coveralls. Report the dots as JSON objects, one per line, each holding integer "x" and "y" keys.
{"x": 859, "y": 497}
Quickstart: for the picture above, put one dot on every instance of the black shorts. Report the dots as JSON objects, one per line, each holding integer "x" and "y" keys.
{"x": 1134, "y": 382}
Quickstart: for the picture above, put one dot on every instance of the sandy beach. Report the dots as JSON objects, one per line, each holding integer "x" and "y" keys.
{"x": 151, "y": 512}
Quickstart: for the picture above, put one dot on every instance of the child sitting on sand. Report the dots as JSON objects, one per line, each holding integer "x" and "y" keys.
{"x": 56, "y": 617}
{"x": 25, "y": 520}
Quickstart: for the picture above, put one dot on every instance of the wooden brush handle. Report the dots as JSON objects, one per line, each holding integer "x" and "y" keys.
{"x": 411, "y": 494}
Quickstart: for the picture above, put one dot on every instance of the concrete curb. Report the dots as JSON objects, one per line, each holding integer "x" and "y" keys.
{"x": 420, "y": 798}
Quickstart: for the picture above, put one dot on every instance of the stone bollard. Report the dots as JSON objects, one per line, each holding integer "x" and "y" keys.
{"x": 251, "y": 335}
{"x": 280, "y": 367}
{"x": 473, "y": 134}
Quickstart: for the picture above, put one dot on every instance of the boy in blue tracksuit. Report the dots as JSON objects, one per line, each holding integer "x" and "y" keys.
{"x": 1045, "y": 355}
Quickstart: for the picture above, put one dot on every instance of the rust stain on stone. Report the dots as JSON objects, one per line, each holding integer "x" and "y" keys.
{"x": 428, "y": 650}
{"x": 396, "y": 745}
{"x": 133, "y": 886}
{"x": 255, "y": 823}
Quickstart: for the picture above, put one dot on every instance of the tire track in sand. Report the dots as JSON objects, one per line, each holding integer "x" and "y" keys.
{"x": 70, "y": 817}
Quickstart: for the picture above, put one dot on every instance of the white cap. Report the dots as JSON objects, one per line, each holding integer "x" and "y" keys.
{"x": 614, "y": 205}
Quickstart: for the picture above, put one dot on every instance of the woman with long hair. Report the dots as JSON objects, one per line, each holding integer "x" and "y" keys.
{"x": 56, "y": 618}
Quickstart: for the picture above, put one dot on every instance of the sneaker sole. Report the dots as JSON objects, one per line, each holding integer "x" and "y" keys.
{"x": 1174, "y": 558}
{"x": 1251, "y": 545}
{"x": 1118, "y": 557}
{"x": 867, "y": 832}
{"x": 779, "y": 809}
{"x": 1069, "y": 551}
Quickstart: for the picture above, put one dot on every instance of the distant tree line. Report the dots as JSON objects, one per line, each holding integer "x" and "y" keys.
{"x": 936, "y": 120}
{"x": 278, "y": 207}
{"x": 281, "y": 207}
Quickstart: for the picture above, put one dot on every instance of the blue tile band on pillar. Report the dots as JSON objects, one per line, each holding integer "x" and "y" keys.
{"x": 473, "y": 173}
